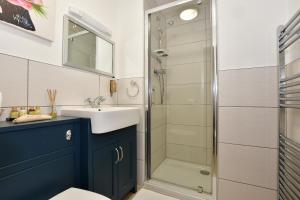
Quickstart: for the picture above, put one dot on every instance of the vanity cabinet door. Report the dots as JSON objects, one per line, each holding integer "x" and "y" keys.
{"x": 127, "y": 164}
{"x": 104, "y": 171}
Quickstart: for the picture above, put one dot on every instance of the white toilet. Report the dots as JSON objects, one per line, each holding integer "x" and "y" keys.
{"x": 78, "y": 194}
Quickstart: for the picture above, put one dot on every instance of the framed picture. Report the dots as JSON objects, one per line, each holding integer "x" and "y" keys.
{"x": 33, "y": 16}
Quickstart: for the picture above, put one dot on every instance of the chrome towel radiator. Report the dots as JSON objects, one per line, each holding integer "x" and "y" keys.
{"x": 289, "y": 86}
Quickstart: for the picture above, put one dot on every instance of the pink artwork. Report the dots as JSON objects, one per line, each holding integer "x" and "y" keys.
{"x": 33, "y": 16}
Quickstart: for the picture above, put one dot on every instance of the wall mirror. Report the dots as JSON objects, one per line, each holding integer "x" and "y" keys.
{"x": 86, "y": 49}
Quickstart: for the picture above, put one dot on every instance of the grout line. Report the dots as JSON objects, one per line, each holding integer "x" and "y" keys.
{"x": 189, "y": 43}
{"x": 187, "y": 63}
{"x": 188, "y": 125}
{"x": 54, "y": 65}
{"x": 246, "y": 68}
{"x": 247, "y": 184}
{"x": 196, "y": 104}
{"x": 247, "y": 107}
{"x": 188, "y": 84}
{"x": 141, "y": 77}
{"x": 245, "y": 145}
{"x": 190, "y": 146}
{"x": 123, "y": 104}
{"x": 168, "y": 123}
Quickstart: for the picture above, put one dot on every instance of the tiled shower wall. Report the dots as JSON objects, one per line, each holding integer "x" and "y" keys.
{"x": 24, "y": 83}
{"x": 159, "y": 104}
{"x": 189, "y": 86}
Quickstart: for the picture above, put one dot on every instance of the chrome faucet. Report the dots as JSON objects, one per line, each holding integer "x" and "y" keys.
{"x": 96, "y": 103}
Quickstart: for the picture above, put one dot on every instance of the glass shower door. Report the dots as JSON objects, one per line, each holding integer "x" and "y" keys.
{"x": 181, "y": 84}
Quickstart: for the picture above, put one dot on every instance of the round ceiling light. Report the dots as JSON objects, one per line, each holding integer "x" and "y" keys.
{"x": 188, "y": 14}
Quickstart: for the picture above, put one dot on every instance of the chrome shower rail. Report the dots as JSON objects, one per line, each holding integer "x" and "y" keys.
{"x": 290, "y": 33}
{"x": 289, "y": 169}
{"x": 289, "y": 87}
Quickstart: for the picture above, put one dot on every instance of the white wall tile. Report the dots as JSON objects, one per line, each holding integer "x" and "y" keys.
{"x": 141, "y": 146}
{"x": 186, "y": 135}
{"x": 209, "y": 137}
{"x": 186, "y": 33}
{"x": 209, "y": 115}
{"x": 158, "y": 115}
{"x": 209, "y": 157}
{"x": 157, "y": 157}
{"x": 140, "y": 172}
{"x": 187, "y": 53}
{"x": 73, "y": 86}
{"x": 186, "y": 94}
{"x": 187, "y": 114}
{"x": 249, "y": 87}
{"x": 187, "y": 153}
{"x": 247, "y": 32}
{"x": 105, "y": 91}
{"x": 251, "y": 165}
{"x": 186, "y": 73}
{"x": 13, "y": 81}
{"x": 228, "y": 190}
{"x": 249, "y": 126}
{"x": 124, "y": 84}
{"x": 158, "y": 138}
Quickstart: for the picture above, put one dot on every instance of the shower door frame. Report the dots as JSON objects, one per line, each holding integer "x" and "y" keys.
{"x": 148, "y": 84}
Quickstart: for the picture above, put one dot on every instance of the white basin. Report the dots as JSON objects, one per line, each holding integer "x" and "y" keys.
{"x": 106, "y": 119}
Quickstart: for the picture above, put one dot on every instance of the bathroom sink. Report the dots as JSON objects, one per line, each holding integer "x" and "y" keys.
{"x": 106, "y": 119}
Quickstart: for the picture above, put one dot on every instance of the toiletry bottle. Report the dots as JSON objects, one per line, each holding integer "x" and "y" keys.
{"x": 14, "y": 113}
{"x": 31, "y": 111}
{"x": 38, "y": 110}
{"x": 23, "y": 111}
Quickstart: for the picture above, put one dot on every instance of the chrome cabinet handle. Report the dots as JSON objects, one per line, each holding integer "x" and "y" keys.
{"x": 118, "y": 156}
{"x": 68, "y": 135}
{"x": 122, "y": 154}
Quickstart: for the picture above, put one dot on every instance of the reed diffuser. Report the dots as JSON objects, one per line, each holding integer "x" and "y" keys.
{"x": 52, "y": 98}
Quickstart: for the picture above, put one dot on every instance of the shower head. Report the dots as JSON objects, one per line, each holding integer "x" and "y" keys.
{"x": 161, "y": 53}
{"x": 199, "y": 2}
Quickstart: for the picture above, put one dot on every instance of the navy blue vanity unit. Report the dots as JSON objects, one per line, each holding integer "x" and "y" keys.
{"x": 109, "y": 161}
{"x": 39, "y": 160}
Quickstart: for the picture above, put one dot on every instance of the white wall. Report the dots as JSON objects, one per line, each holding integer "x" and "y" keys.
{"x": 130, "y": 39}
{"x": 247, "y": 32}
{"x": 17, "y": 43}
{"x": 293, "y": 7}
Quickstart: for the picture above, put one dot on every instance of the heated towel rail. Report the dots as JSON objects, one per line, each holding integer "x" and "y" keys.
{"x": 289, "y": 86}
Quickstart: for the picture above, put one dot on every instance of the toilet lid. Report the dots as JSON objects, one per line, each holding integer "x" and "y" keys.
{"x": 78, "y": 194}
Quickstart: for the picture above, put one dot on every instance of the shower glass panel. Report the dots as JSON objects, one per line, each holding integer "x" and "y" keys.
{"x": 181, "y": 84}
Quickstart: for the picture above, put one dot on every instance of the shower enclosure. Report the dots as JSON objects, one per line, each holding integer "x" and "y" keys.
{"x": 181, "y": 97}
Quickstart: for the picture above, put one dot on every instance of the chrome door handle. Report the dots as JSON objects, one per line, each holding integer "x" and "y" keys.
{"x": 118, "y": 156}
{"x": 68, "y": 135}
{"x": 122, "y": 153}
